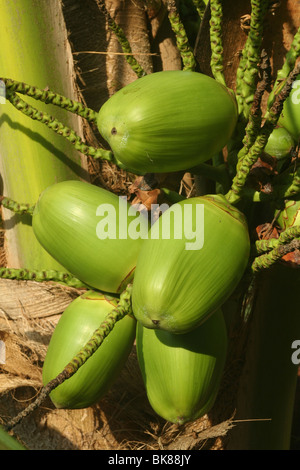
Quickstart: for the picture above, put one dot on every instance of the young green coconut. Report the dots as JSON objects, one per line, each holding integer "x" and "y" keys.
{"x": 168, "y": 121}
{"x": 182, "y": 373}
{"x": 193, "y": 259}
{"x": 290, "y": 214}
{"x": 290, "y": 116}
{"x": 280, "y": 143}
{"x": 74, "y": 329}
{"x": 89, "y": 231}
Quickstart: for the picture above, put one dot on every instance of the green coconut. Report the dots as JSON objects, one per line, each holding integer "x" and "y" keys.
{"x": 182, "y": 373}
{"x": 74, "y": 329}
{"x": 193, "y": 259}
{"x": 168, "y": 121}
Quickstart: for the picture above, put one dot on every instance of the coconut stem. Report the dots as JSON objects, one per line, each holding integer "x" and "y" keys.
{"x": 247, "y": 131}
{"x": 23, "y": 274}
{"x": 123, "y": 41}
{"x": 248, "y": 67}
{"x": 50, "y": 97}
{"x": 59, "y": 128}
{"x": 16, "y": 207}
{"x": 216, "y": 173}
{"x": 285, "y": 237}
{"x": 245, "y": 164}
{"x": 172, "y": 196}
{"x": 123, "y": 308}
{"x": 200, "y": 6}
{"x": 294, "y": 188}
{"x": 255, "y": 117}
{"x": 186, "y": 52}
{"x": 268, "y": 259}
{"x": 216, "y": 62}
{"x": 275, "y": 249}
{"x": 288, "y": 65}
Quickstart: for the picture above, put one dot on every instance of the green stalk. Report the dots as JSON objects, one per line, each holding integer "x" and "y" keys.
{"x": 58, "y": 127}
{"x": 288, "y": 65}
{"x": 248, "y": 67}
{"x": 200, "y": 6}
{"x": 217, "y": 173}
{"x": 253, "y": 126}
{"x": 32, "y": 157}
{"x": 266, "y": 260}
{"x": 48, "y": 96}
{"x": 285, "y": 237}
{"x": 123, "y": 41}
{"x": 16, "y": 207}
{"x": 186, "y": 52}
{"x": 42, "y": 276}
{"x": 246, "y": 162}
{"x": 215, "y": 23}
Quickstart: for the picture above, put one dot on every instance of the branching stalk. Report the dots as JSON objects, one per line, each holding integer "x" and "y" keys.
{"x": 216, "y": 42}
{"x": 59, "y": 128}
{"x": 123, "y": 41}
{"x": 267, "y": 260}
{"x": 294, "y": 187}
{"x": 186, "y": 52}
{"x": 16, "y": 207}
{"x": 288, "y": 65}
{"x": 22, "y": 274}
{"x": 245, "y": 164}
{"x": 285, "y": 238}
{"x": 200, "y": 6}
{"x": 50, "y": 97}
{"x": 255, "y": 117}
{"x": 248, "y": 67}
